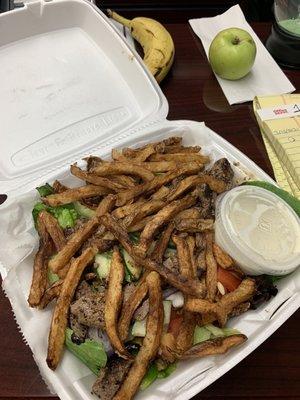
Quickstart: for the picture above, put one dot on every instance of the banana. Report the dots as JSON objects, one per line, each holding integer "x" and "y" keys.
{"x": 156, "y": 41}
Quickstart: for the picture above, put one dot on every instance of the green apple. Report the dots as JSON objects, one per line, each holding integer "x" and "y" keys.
{"x": 232, "y": 53}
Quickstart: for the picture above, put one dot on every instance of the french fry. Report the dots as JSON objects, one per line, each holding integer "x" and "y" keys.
{"x": 181, "y": 157}
{"x": 161, "y": 193}
{"x": 95, "y": 179}
{"x": 118, "y": 155}
{"x": 194, "y": 225}
{"x": 127, "y": 168}
{"x": 191, "y": 245}
{"x": 70, "y": 195}
{"x": 140, "y": 224}
{"x": 162, "y": 244}
{"x": 151, "y": 341}
{"x": 214, "y": 346}
{"x": 92, "y": 161}
{"x": 145, "y": 188}
{"x": 186, "y": 285}
{"x": 53, "y": 228}
{"x": 181, "y": 149}
{"x": 222, "y": 258}
{"x": 129, "y": 307}
{"x": 105, "y": 205}
{"x": 123, "y": 211}
{"x": 167, "y": 166}
{"x": 193, "y": 212}
{"x": 39, "y": 276}
{"x": 183, "y": 254}
{"x": 187, "y": 183}
{"x": 60, "y": 315}
{"x": 163, "y": 216}
{"x": 143, "y": 210}
{"x": 158, "y": 166}
{"x": 61, "y": 273}
{"x": 50, "y": 294}
{"x": 124, "y": 180}
{"x": 158, "y": 146}
{"x": 113, "y": 302}
{"x": 223, "y": 308}
{"x": 147, "y": 151}
{"x": 59, "y": 187}
{"x": 80, "y": 236}
{"x": 211, "y": 268}
{"x": 73, "y": 244}
{"x": 185, "y": 336}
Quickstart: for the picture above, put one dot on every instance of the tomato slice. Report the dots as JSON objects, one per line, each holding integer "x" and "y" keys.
{"x": 228, "y": 279}
{"x": 175, "y": 322}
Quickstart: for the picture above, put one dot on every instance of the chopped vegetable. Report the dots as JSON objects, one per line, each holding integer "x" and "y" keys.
{"x": 228, "y": 279}
{"x": 167, "y": 371}
{"x": 36, "y": 210}
{"x": 201, "y": 334}
{"x": 167, "y": 312}
{"x": 45, "y": 190}
{"x": 52, "y": 277}
{"x": 214, "y": 330}
{"x": 153, "y": 373}
{"x": 91, "y": 353}
{"x": 83, "y": 211}
{"x": 66, "y": 215}
{"x": 230, "y": 331}
{"x": 207, "y": 332}
{"x": 102, "y": 264}
{"x": 139, "y": 328}
{"x": 150, "y": 377}
{"x": 133, "y": 271}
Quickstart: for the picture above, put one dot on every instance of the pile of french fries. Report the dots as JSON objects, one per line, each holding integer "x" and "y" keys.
{"x": 154, "y": 191}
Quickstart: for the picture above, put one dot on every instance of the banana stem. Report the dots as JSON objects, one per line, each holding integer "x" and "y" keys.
{"x": 119, "y": 18}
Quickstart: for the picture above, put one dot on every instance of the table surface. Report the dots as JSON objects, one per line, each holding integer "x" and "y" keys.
{"x": 271, "y": 371}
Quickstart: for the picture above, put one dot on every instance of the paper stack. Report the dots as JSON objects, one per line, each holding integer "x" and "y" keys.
{"x": 279, "y": 121}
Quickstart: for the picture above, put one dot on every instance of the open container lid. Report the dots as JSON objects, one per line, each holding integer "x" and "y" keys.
{"x": 70, "y": 84}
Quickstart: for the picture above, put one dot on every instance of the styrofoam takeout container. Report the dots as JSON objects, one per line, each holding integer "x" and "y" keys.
{"x": 70, "y": 87}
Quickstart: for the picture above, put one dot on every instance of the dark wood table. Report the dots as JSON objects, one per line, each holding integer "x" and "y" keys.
{"x": 273, "y": 370}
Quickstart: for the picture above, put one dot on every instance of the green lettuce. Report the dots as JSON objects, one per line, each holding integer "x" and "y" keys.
{"x": 45, "y": 190}
{"x": 90, "y": 352}
{"x": 66, "y": 215}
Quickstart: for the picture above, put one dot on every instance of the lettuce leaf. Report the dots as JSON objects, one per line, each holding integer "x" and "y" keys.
{"x": 45, "y": 190}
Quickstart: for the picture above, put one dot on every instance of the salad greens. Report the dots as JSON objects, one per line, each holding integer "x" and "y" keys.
{"x": 153, "y": 373}
{"x": 91, "y": 353}
{"x": 52, "y": 277}
{"x": 66, "y": 215}
{"x": 45, "y": 190}
{"x": 203, "y": 333}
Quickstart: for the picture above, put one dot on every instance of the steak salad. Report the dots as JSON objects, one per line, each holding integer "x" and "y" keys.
{"x": 131, "y": 262}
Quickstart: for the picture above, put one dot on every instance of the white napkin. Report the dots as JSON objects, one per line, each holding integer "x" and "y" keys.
{"x": 265, "y": 78}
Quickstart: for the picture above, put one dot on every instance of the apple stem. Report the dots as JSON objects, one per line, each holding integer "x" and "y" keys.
{"x": 236, "y": 40}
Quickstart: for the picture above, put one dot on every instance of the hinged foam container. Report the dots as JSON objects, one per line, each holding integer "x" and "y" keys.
{"x": 71, "y": 86}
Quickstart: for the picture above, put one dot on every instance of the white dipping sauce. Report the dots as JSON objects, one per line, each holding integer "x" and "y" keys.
{"x": 259, "y": 230}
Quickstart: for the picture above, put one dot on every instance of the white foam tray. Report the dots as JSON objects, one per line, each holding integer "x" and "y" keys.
{"x": 73, "y": 87}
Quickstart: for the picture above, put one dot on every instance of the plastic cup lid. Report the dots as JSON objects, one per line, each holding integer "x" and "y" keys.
{"x": 263, "y": 227}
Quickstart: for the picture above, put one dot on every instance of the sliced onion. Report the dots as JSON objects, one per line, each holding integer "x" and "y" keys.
{"x": 168, "y": 292}
{"x": 101, "y": 337}
{"x": 177, "y": 299}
